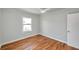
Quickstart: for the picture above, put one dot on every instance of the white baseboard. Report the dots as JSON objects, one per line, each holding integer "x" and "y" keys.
{"x": 54, "y": 38}
{"x": 17, "y": 39}
{"x": 61, "y": 41}
{"x": 73, "y": 46}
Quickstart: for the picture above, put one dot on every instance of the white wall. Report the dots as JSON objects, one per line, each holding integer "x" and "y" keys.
{"x": 54, "y": 23}
{"x": 12, "y": 23}
{"x": 1, "y": 27}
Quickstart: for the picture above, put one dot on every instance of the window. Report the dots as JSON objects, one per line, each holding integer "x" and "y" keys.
{"x": 27, "y": 24}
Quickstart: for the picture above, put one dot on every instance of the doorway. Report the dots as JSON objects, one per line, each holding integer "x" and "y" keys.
{"x": 73, "y": 29}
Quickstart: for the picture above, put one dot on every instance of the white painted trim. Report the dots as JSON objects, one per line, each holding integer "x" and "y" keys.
{"x": 61, "y": 41}
{"x": 73, "y": 45}
{"x": 17, "y": 39}
{"x": 53, "y": 38}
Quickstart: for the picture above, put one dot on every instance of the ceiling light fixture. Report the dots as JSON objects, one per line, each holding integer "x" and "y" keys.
{"x": 43, "y": 10}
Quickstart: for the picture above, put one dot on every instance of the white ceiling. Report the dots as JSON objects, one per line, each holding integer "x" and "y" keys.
{"x": 32, "y": 10}
{"x": 38, "y": 10}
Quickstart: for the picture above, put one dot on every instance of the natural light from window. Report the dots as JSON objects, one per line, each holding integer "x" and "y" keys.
{"x": 27, "y": 24}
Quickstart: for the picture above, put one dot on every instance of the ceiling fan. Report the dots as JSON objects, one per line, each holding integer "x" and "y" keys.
{"x": 43, "y": 10}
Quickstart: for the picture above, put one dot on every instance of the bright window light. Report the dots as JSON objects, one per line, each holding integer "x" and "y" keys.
{"x": 27, "y": 28}
{"x": 27, "y": 24}
{"x": 26, "y": 20}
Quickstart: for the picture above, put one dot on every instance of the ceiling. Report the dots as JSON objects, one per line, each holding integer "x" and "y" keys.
{"x": 39, "y": 10}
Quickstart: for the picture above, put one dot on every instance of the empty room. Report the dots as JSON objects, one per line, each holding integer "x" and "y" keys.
{"x": 39, "y": 28}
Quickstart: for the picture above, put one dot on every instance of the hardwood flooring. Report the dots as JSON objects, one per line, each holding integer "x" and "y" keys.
{"x": 37, "y": 42}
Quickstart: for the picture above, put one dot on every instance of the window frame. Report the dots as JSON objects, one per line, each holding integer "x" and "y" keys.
{"x": 27, "y": 24}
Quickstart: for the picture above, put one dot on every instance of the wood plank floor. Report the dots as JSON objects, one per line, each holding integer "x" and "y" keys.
{"x": 37, "y": 42}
